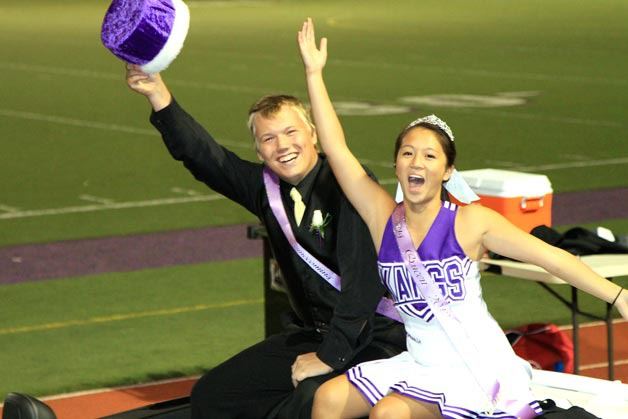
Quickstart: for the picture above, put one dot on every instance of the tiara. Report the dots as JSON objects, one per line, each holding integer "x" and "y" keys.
{"x": 433, "y": 120}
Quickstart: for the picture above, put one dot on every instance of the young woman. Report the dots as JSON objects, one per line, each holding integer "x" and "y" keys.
{"x": 459, "y": 363}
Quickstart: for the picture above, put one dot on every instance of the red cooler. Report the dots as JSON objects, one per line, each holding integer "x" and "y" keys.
{"x": 525, "y": 199}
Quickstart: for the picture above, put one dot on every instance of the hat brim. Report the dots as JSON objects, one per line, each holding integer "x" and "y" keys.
{"x": 174, "y": 44}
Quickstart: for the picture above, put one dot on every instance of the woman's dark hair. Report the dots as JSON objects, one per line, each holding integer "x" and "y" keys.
{"x": 448, "y": 146}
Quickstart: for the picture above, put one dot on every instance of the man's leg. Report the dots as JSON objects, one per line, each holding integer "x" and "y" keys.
{"x": 298, "y": 404}
{"x": 252, "y": 382}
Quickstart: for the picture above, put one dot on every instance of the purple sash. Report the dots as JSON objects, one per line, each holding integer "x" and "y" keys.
{"x": 482, "y": 370}
{"x": 385, "y": 307}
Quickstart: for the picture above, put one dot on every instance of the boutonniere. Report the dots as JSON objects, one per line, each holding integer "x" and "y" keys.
{"x": 319, "y": 223}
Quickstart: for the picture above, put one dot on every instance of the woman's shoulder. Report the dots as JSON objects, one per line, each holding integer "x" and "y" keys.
{"x": 473, "y": 220}
{"x": 475, "y": 212}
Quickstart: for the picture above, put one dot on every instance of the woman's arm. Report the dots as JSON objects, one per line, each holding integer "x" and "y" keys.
{"x": 497, "y": 234}
{"x": 370, "y": 200}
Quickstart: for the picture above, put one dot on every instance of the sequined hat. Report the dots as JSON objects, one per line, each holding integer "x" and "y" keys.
{"x": 146, "y": 32}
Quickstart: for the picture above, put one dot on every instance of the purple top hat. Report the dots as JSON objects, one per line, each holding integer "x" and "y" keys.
{"x": 146, "y": 32}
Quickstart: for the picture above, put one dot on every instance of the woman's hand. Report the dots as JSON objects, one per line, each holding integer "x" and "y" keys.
{"x": 314, "y": 58}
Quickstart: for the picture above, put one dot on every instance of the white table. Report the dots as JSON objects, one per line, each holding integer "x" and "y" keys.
{"x": 607, "y": 265}
{"x": 603, "y": 398}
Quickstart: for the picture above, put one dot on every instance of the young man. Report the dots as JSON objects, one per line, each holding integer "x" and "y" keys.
{"x": 337, "y": 328}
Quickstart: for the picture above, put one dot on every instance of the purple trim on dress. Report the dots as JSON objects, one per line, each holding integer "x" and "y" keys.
{"x": 412, "y": 310}
{"x": 136, "y": 30}
{"x": 364, "y": 385}
{"x": 451, "y": 411}
{"x": 439, "y": 240}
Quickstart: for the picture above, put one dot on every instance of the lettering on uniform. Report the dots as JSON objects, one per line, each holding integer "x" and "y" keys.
{"x": 448, "y": 275}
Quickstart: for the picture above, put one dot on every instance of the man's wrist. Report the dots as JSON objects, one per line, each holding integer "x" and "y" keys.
{"x": 160, "y": 99}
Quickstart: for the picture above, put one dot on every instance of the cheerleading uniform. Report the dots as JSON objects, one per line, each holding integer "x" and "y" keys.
{"x": 432, "y": 370}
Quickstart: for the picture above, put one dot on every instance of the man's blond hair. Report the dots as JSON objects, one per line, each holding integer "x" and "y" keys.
{"x": 270, "y": 105}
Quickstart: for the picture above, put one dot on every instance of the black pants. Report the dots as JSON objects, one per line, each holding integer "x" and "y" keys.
{"x": 256, "y": 383}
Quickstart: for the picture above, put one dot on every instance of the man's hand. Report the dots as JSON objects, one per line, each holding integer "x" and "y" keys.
{"x": 149, "y": 85}
{"x": 308, "y": 365}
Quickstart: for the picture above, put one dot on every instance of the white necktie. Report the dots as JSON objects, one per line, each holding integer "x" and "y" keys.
{"x": 299, "y": 206}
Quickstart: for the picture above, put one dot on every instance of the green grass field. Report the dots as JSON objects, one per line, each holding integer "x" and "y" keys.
{"x": 532, "y": 86}
{"x": 104, "y": 330}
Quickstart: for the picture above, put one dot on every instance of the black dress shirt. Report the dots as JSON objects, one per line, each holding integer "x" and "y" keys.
{"x": 343, "y": 318}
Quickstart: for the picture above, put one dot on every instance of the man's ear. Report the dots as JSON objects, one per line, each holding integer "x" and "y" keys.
{"x": 256, "y": 145}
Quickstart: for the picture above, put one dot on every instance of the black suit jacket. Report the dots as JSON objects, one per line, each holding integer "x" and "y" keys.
{"x": 345, "y": 319}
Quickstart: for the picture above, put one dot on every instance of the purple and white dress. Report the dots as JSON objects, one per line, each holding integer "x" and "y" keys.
{"x": 432, "y": 370}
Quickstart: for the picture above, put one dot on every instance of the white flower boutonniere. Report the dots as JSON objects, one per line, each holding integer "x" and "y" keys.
{"x": 319, "y": 223}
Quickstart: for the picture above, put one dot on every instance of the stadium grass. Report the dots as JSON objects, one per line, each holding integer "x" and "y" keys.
{"x": 71, "y": 128}
{"x": 121, "y": 328}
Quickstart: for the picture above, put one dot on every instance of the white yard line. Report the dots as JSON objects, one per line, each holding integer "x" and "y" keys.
{"x": 482, "y": 73}
{"x": 68, "y": 71}
{"x": 573, "y": 164}
{"x": 8, "y": 208}
{"x": 591, "y": 324}
{"x": 616, "y": 363}
{"x": 14, "y": 213}
{"x": 182, "y": 191}
{"x": 151, "y": 132}
{"x": 126, "y": 316}
{"x": 549, "y": 167}
{"x": 539, "y": 117}
{"x": 65, "y": 71}
{"x": 118, "y": 77}
{"x": 108, "y": 206}
{"x": 97, "y": 199}
{"x": 83, "y": 123}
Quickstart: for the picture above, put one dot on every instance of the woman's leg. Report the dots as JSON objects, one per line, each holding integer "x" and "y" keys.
{"x": 397, "y": 406}
{"x": 339, "y": 399}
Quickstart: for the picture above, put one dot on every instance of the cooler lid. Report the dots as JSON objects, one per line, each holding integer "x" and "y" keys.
{"x": 506, "y": 183}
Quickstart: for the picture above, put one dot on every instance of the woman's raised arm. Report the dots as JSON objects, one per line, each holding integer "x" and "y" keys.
{"x": 371, "y": 201}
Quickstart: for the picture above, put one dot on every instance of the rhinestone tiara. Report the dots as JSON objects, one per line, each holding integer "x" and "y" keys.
{"x": 433, "y": 120}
